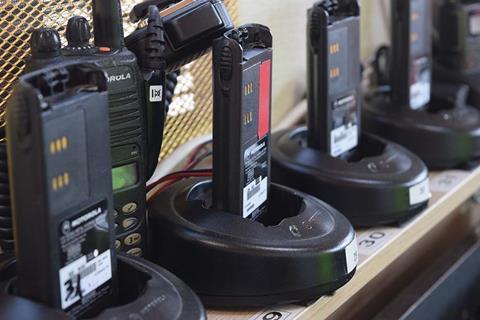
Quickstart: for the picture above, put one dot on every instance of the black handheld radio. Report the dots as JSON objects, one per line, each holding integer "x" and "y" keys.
{"x": 242, "y": 71}
{"x": 333, "y": 60}
{"x": 457, "y": 44}
{"x": 60, "y": 181}
{"x": 411, "y": 51}
{"x": 128, "y": 122}
{"x": 190, "y": 28}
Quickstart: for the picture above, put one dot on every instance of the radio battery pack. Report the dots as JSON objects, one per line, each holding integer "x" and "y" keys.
{"x": 334, "y": 79}
{"x": 60, "y": 180}
{"x": 242, "y": 70}
{"x": 411, "y": 50}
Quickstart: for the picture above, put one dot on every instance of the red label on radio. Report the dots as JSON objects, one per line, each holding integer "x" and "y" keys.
{"x": 264, "y": 99}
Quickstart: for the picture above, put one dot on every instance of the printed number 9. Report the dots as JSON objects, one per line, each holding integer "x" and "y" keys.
{"x": 273, "y": 316}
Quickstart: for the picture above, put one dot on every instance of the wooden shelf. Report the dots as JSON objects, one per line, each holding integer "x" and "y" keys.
{"x": 379, "y": 248}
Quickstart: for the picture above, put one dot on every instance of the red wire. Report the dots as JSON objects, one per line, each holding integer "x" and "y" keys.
{"x": 194, "y": 153}
{"x": 174, "y": 177}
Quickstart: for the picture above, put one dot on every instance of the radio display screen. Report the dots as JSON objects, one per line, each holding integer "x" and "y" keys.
{"x": 124, "y": 176}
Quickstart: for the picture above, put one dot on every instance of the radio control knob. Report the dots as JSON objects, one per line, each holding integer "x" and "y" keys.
{"x": 45, "y": 43}
{"x": 78, "y": 32}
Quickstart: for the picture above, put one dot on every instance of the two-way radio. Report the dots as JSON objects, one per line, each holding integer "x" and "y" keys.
{"x": 334, "y": 77}
{"x": 457, "y": 45}
{"x": 411, "y": 50}
{"x": 57, "y": 126}
{"x": 242, "y": 71}
{"x": 128, "y": 122}
{"x": 457, "y": 26}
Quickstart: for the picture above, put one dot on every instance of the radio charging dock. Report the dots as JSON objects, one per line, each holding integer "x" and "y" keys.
{"x": 300, "y": 249}
{"x": 146, "y": 292}
{"x": 377, "y": 183}
{"x": 445, "y": 137}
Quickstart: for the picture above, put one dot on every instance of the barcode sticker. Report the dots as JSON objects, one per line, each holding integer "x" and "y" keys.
{"x": 343, "y": 139}
{"x": 81, "y": 277}
{"x": 156, "y": 93}
{"x": 254, "y": 195}
{"x": 420, "y": 192}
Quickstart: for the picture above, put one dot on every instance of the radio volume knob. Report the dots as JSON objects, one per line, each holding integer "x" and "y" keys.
{"x": 78, "y": 32}
{"x": 45, "y": 43}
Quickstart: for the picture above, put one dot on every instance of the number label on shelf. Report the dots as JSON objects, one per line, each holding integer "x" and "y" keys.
{"x": 372, "y": 240}
{"x": 448, "y": 180}
{"x": 280, "y": 313}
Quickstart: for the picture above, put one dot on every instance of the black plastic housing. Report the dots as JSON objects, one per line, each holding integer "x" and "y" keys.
{"x": 57, "y": 126}
{"x": 242, "y": 71}
{"x": 445, "y": 138}
{"x": 127, "y": 113}
{"x": 411, "y": 64}
{"x": 299, "y": 250}
{"x": 383, "y": 182}
{"x": 191, "y": 27}
{"x": 333, "y": 64}
{"x": 437, "y": 125}
{"x": 457, "y": 45}
{"x": 147, "y": 292}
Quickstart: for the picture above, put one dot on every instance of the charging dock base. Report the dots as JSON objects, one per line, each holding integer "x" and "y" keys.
{"x": 378, "y": 183}
{"x": 299, "y": 250}
{"x": 444, "y": 139}
{"x": 146, "y": 291}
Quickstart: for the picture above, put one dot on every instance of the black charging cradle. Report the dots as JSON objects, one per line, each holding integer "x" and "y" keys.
{"x": 146, "y": 291}
{"x": 443, "y": 137}
{"x": 371, "y": 186}
{"x": 299, "y": 250}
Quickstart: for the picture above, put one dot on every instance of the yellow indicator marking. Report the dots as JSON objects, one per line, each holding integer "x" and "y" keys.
{"x": 414, "y": 37}
{"x": 249, "y": 89}
{"x": 64, "y": 143}
{"x": 335, "y": 48}
{"x": 58, "y": 143}
{"x": 54, "y": 184}
{"x": 334, "y": 73}
{"x": 248, "y": 118}
{"x": 52, "y": 148}
{"x": 60, "y": 182}
{"x": 66, "y": 178}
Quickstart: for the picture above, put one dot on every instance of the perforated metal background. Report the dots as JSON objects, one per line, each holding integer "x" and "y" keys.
{"x": 190, "y": 114}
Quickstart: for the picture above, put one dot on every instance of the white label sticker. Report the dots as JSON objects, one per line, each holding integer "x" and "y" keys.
{"x": 420, "y": 89}
{"x": 420, "y": 193}
{"x": 80, "y": 277}
{"x": 279, "y": 313}
{"x": 343, "y": 139}
{"x": 351, "y": 253}
{"x": 254, "y": 195}
{"x": 156, "y": 93}
{"x": 446, "y": 181}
